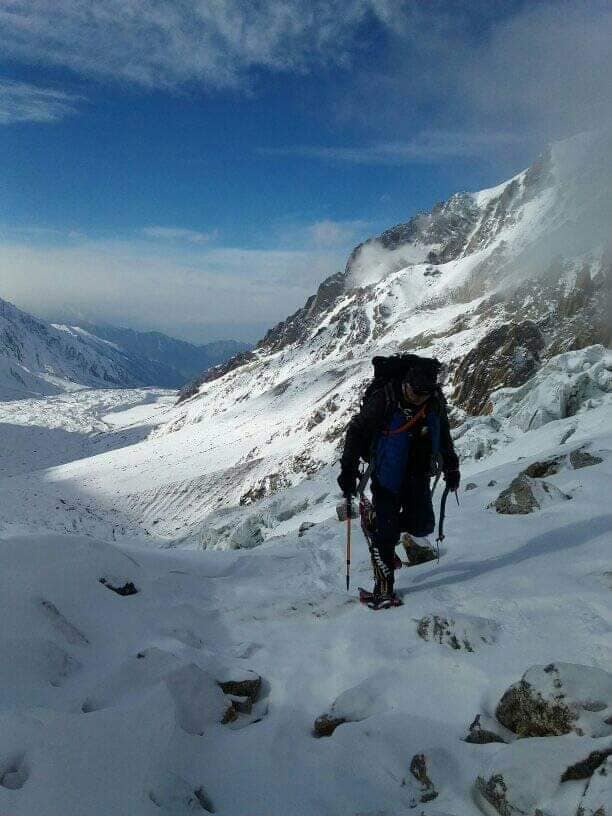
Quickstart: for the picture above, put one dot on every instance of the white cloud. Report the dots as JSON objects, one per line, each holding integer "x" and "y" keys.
{"x": 23, "y": 102}
{"x": 179, "y": 234}
{"x": 328, "y": 233}
{"x": 538, "y": 71}
{"x": 178, "y": 291}
{"x": 166, "y": 44}
{"x": 427, "y": 146}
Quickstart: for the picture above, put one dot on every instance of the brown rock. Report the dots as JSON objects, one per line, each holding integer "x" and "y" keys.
{"x": 248, "y": 688}
{"x": 325, "y": 725}
{"x": 586, "y": 767}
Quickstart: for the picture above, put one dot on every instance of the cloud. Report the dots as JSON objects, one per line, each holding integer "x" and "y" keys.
{"x": 179, "y": 234}
{"x": 428, "y": 146}
{"x": 328, "y": 233}
{"x": 166, "y": 44}
{"x": 549, "y": 67}
{"x": 183, "y": 292}
{"x": 23, "y": 102}
{"x": 531, "y": 72}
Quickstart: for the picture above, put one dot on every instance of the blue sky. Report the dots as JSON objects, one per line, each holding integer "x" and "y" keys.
{"x": 198, "y": 167}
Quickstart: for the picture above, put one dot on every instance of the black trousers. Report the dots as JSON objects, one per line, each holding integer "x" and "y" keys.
{"x": 409, "y": 511}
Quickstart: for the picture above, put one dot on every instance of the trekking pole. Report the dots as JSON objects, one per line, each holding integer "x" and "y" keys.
{"x": 349, "y": 513}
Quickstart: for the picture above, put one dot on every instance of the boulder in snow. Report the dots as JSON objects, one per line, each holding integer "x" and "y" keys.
{"x": 526, "y": 495}
{"x": 418, "y": 551}
{"x": 354, "y": 705}
{"x": 544, "y": 468}
{"x": 247, "y": 684}
{"x": 198, "y": 700}
{"x": 326, "y": 724}
{"x": 461, "y": 632}
{"x": 560, "y": 698}
{"x": 527, "y": 777}
{"x": 581, "y": 458}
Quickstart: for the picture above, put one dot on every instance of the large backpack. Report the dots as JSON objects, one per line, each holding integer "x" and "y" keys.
{"x": 390, "y": 370}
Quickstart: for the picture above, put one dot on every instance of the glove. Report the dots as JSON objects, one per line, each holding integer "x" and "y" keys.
{"x": 348, "y": 483}
{"x": 452, "y": 479}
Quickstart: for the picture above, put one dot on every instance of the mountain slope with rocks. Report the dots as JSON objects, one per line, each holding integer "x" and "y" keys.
{"x": 495, "y": 284}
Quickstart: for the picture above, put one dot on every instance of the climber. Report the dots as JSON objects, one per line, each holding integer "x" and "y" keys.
{"x": 402, "y": 430}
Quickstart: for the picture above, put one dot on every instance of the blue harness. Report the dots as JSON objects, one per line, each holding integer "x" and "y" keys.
{"x": 392, "y": 448}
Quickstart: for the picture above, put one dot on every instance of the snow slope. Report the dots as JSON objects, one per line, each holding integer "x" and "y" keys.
{"x": 89, "y": 678}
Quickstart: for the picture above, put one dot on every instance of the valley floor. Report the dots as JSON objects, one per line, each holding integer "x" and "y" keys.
{"x": 110, "y": 703}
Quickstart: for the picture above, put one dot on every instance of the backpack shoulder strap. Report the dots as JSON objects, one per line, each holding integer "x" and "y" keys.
{"x": 389, "y": 396}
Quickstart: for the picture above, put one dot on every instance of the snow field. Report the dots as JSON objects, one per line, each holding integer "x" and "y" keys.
{"x": 111, "y": 703}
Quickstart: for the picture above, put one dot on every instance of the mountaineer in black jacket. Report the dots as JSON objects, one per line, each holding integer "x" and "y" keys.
{"x": 403, "y": 431}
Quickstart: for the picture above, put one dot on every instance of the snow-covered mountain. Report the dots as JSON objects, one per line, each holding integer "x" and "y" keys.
{"x": 176, "y": 361}
{"x": 493, "y": 283}
{"x": 39, "y": 358}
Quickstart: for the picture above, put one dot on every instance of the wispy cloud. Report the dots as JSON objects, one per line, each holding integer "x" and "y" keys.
{"x": 23, "y": 102}
{"x": 165, "y": 44}
{"x": 179, "y": 234}
{"x": 328, "y": 233}
{"x": 437, "y": 145}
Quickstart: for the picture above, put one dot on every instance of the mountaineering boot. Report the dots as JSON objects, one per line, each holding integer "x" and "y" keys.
{"x": 386, "y": 601}
{"x": 379, "y": 600}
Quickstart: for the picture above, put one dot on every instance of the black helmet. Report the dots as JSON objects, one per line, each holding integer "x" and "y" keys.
{"x": 422, "y": 375}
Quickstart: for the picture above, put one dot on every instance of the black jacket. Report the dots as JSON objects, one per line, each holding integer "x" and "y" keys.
{"x": 374, "y": 415}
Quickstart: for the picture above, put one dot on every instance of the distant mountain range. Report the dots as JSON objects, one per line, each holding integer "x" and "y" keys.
{"x": 39, "y": 358}
{"x": 176, "y": 361}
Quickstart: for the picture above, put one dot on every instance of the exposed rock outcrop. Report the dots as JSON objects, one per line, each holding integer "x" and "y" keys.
{"x": 560, "y": 698}
{"x": 506, "y": 357}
